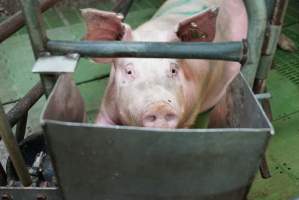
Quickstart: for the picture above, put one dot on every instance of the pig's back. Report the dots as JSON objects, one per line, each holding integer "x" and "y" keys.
{"x": 185, "y": 8}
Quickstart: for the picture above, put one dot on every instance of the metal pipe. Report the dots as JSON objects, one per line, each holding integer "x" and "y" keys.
{"x": 279, "y": 12}
{"x": 271, "y": 38}
{"x": 48, "y": 82}
{"x": 259, "y": 87}
{"x": 123, "y": 7}
{"x": 257, "y": 16}
{"x": 38, "y": 37}
{"x": 34, "y": 24}
{"x": 3, "y": 176}
{"x": 16, "y": 21}
{"x": 264, "y": 168}
{"x": 13, "y": 149}
{"x": 21, "y": 128}
{"x": 23, "y": 105}
{"x": 233, "y": 51}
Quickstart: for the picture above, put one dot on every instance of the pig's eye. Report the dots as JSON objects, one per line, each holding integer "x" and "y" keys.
{"x": 129, "y": 71}
{"x": 173, "y": 70}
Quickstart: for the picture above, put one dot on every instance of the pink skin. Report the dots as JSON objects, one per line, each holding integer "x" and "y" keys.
{"x": 165, "y": 93}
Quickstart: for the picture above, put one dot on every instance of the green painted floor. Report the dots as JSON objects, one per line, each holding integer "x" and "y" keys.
{"x": 16, "y": 60}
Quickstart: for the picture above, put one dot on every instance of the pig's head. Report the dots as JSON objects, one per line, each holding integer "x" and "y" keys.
{"x": 149, "y": 92}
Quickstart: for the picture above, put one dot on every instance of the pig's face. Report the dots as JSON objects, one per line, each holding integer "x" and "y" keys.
{"x": 164, "y": 93}
{"x": 149, "y": 92}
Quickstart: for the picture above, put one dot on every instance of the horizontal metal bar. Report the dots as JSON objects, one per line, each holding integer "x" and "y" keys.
{"x": 232, "y": 51}
{"x": 16, "y": 21}
{"x": 25, "y": 104}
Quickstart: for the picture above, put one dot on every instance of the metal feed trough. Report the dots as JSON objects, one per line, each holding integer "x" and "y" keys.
{"x": 120, "y": 162}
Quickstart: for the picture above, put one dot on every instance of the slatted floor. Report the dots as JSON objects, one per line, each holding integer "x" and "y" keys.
{"x": 16, "y": 60}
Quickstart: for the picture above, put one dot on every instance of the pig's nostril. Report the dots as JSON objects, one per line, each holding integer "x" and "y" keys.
{"x": 169, "y": 100}
{"x": 151, "y": 118}
{"x": 170, "y": 117}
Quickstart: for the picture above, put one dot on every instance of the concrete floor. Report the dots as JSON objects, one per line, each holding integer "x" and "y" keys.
{"x": 16, "y": 60}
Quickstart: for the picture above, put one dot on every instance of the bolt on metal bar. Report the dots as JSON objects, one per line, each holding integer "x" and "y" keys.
{"x": 232, "y": 51}
{"x": 13, "y": 149}
{"x": 16, "y": 21}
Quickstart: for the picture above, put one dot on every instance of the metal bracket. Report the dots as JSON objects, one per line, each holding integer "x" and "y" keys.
{"x": 56, "y": 64}
{"x": 262, "y": 96}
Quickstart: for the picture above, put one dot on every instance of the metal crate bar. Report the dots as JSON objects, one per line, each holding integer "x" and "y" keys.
{"x": 38, "y": 37}
{"x": 123, "y": 7}
{"x": 233, "y": 51}
{"x": 34, "y": 24}
{"x": 24, "y": 104}
{"x": 257, "y": 16}
{"x": 16, "y": 21}
{"x": 257, "y": 21}
{"x": 13, "y": 149}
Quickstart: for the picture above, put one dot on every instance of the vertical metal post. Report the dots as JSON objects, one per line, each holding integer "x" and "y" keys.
{"x": 271, "y": 38}
{"x": 38, "y": 36}
{"x": 13, "y": 149}
{"x": 257, "y": 15}
{"x": 269, "y": 47}
{"x": 34, "y": 24}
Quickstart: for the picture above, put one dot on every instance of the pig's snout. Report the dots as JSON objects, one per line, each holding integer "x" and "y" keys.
{"x": 160, "y": 115}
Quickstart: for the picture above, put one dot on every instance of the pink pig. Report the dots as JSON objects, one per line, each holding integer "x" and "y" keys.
{"x": 167, "y": 93}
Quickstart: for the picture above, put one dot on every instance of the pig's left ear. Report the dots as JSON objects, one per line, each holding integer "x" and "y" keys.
{"x": 104, "y": 26}
{"x": 198, "y": 28}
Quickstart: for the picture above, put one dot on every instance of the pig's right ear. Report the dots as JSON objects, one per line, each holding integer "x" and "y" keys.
{"x": 104, "y": 26}
{"x": 198, "y": 28}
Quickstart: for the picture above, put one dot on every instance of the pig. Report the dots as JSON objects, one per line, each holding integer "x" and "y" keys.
{"x": 167, "y": 93}
{"x": 286, "y": 43}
